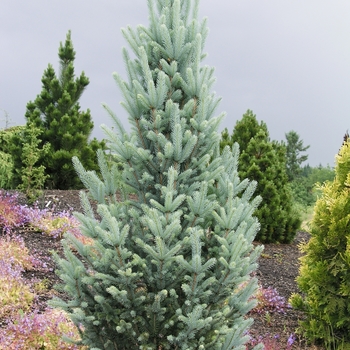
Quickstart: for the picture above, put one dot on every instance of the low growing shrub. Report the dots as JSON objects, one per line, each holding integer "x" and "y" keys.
{"x": 15, "y": 295}
{"x": 11, "y": 213}
{"x": 53, "y": 224}
{"x": 14, "y": 251}
{"x": 269, "y": 301}
{"x": 39, "y": 331}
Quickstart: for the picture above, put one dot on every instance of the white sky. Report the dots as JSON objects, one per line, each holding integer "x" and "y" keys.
{"x": 287, "y": 60}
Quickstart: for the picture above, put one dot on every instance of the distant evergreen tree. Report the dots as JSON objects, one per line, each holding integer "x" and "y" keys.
{"x": 169, "y": 267}
{"x": 56, "y": 112}
{"x": 294, "y": 148}
{"x": 265, "y": 162}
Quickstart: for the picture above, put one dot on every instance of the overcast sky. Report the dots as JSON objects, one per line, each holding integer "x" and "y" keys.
{"x": 287, "y": 60}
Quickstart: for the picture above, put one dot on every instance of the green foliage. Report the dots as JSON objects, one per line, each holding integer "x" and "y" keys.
{"x": 14, "y": 251}
{"x": 15, "y": 295}
{"x": 6, "y": 170}
{"x": 168, "y": 267}
{"x": 6, "y": 137}
{"x": 56, "y": 112}
{"x": 33, "y": 177}
{"x": 23, "y": 152}
{"x": 294, "y": 160}
{"x": 8, "y": 165}
{"x": 305, "y": 187}
{"x": 325, "y": 268}
{"x": 319, "y": 174}
{"x": 264, "y": 161}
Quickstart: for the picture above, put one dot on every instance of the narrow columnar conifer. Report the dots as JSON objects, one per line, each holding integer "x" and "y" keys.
{"x": 170, "y": 265}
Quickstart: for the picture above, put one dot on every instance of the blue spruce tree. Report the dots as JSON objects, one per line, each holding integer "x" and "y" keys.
{"x": 170, "y": 264}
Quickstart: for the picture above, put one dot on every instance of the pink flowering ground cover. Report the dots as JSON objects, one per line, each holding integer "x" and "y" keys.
{"x": 26, "y": 323}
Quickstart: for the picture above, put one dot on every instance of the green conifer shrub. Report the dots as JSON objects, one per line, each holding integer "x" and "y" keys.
{"x": 33, "y": 177}
{"x": 264, "y": 161}
{"x": 6, "y": 170}
{"x": 6, "y": 136}
{"x": 8, "y": 164}
{"x": 325, "y": 268}
{"x": 169, "y": 267}
{"x": 22, "y": 151}
{"x": 56, "y": 112}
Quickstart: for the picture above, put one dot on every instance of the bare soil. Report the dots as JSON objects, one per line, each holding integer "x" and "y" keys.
{"x": 278, "y": 268}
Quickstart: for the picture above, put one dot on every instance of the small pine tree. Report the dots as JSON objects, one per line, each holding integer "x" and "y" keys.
{"x": 56, "y": 112}
{"x": 169, "y": 267}
{"x": 325, "y": 268}
{"x": 264, "y": 161}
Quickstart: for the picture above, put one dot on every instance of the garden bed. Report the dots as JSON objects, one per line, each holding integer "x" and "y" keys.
{"x": 277, "y": 271}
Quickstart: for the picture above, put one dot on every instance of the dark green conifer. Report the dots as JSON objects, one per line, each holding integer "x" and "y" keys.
{"x": 264, "y": 161}
{"x": 56, "y": 112}
{"x": 170, "y": 266}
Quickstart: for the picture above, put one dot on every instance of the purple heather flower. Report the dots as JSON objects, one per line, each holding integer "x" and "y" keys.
{"x": 11, "y": 213}
{"x": 56, "y": 225}
{"x": 291, "y": 340}
{"x": 269, "y": 300}
{"x": 43, "y": 325}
